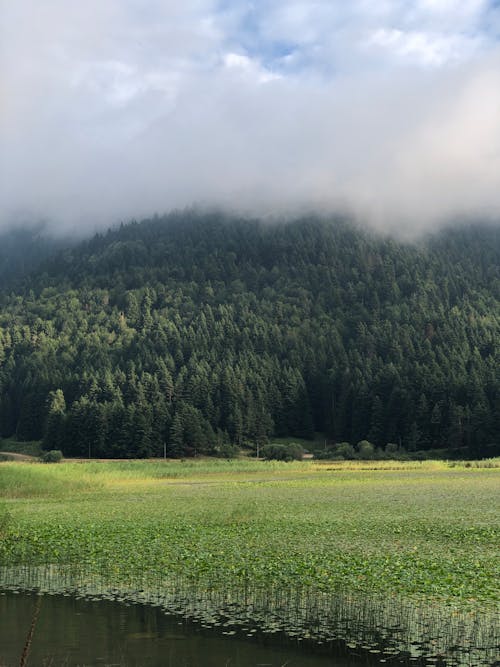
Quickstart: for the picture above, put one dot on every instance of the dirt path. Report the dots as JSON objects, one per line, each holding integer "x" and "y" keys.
{"x": 14, "y": 456}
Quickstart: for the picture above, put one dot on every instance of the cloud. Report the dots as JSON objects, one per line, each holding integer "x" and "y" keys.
{"x": 427, "y": 49}
{"x": 121, "y": 108}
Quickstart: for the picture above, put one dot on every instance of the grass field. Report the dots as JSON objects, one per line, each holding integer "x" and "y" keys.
{"x": 419, "y": 535}
{"x": 32, "y": 448}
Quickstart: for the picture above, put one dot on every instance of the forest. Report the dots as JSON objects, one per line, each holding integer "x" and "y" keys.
{"x": 200, "y": 333}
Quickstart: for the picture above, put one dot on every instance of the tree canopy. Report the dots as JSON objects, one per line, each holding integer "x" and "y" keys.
{"x": 190, "y": 333}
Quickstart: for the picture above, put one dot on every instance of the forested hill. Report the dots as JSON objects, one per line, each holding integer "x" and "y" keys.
{"x": 198, "y": 332}
{"x": 22, "y": 250}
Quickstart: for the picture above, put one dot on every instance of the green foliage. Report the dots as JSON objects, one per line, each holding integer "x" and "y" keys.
{"x": 365, "y": 450}
{"x": 344, "y": 450}
{"x": 227, "y": 451}
{"x": 192, "y": 330}
{"x": 55, "y": 429}
{"x": 422, "y": 535}
{"x": 5, "y": 520}
{"x": 278, "y": 452}
{"x": 52, "y": 456}
{"x": 391, "y": 449}
{"x": 32, "y": 448}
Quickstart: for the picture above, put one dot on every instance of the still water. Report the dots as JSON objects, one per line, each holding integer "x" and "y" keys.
{"x": 69, "y": 632}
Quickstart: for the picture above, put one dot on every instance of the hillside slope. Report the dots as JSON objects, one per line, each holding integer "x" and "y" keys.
{"x": 23, "y": 249}
{"x": 195, "y": 331}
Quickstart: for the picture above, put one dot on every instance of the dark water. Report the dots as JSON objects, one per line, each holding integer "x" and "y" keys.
{"x": 71, "y": 632}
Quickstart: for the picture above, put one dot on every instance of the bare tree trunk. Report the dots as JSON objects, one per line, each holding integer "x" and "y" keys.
{"x": 29, "y": 638}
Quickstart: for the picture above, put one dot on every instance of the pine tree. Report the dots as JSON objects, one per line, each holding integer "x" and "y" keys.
{"x": 55, "y": 434}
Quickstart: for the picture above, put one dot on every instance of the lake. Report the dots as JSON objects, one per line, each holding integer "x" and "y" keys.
{"x": 74, "y": 632}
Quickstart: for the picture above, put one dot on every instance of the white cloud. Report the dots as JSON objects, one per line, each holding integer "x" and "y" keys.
{"x": 464, "y": 10}
{"x": 427, "y": 49}
{"x": 119, "y": 108}
{"x": 249, "y": 67}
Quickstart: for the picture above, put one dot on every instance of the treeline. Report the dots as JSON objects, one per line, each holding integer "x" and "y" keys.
{"x": 195, "y": 333}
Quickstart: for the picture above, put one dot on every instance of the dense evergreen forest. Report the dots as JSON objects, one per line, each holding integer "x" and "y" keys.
{"x": 193, "y": 333}
{"x": 23, "y": 249}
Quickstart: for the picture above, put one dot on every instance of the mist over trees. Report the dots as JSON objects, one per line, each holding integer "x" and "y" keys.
{"x": 188, "y": 334}
{"x": 23, "y": 249}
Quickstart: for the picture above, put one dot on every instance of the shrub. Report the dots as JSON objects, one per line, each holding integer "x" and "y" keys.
{"x": 345, "y": 450}
{"x": 52, "y": 456}
{"x": 279, "y": 452}
{"x": 323, "y": 454}
{"x": 365, "y": 449}
{"x": 228, "y": 451}
{"x": 391, "y": 449}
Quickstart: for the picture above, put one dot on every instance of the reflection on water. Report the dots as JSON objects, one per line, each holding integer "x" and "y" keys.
{"x": 71, "y": 632}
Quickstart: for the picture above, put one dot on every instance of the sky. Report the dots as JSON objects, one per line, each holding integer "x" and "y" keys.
{"x": 386, "y": 110}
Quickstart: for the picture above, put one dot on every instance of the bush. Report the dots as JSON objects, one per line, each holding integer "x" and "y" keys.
{"x": 365, "y": 449}
{"x": 228, "y": 451}
{"x": 326, "y": 454}
{"x": 277, "y": 452}
{"x": 344, "y": 450}
{"x": 52, "y": 456}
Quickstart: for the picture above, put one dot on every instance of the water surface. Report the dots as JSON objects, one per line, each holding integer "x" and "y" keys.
{"x": 73, "y": 632}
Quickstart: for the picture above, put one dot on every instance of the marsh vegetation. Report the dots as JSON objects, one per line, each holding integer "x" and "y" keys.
{"x": 385, "y": 556}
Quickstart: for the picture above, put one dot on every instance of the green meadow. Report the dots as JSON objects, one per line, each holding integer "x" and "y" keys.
{"x": 418, "y": 540}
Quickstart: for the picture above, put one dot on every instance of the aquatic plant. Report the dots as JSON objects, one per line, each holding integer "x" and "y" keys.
{"x": 402, "y": 561}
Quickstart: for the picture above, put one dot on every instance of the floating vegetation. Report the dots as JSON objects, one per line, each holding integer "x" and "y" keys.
{"x": 398, "y": 565}
{"x": 384, "y": 627}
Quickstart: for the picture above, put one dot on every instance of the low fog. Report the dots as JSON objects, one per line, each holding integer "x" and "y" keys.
{"x": 384, "y": 110}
